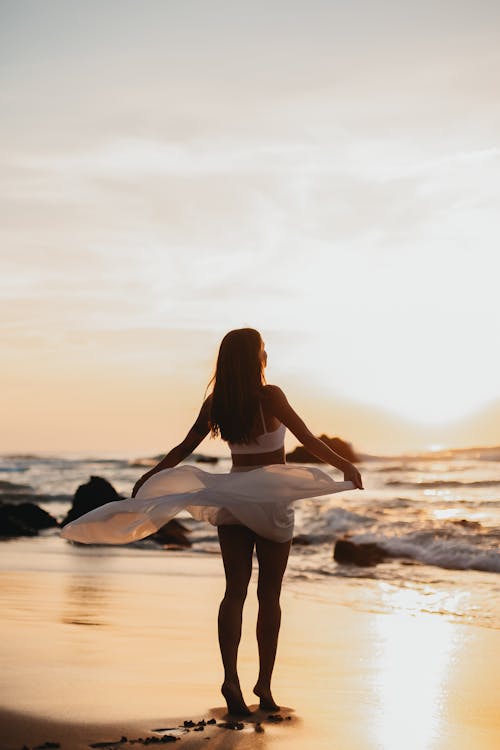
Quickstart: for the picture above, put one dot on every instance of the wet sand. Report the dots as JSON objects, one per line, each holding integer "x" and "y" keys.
{"x": 98, "y": 646}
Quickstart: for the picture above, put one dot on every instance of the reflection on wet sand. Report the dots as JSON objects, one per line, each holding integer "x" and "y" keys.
{"x": 413, "y": 674}
{"x": 86, "y": 601}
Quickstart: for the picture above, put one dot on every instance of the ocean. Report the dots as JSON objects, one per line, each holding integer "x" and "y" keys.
{"x": 437, "y": 515}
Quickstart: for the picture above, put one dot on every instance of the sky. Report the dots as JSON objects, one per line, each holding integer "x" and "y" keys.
{"x": 326, "y": 172}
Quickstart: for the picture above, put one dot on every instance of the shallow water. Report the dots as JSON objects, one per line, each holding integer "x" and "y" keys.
{"x": 439, "y": 514}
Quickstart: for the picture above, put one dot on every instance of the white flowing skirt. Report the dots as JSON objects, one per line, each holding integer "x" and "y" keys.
{"x": 259, "y": 498}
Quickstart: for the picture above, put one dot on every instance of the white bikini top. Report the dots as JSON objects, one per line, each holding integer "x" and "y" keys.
{"x": 265, "y": 443}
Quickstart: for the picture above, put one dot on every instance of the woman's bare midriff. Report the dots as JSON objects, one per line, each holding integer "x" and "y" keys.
{"x": 259, "y": 459}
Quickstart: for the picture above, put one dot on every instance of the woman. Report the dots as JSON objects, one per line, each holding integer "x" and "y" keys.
{"x": 251, "y": 506}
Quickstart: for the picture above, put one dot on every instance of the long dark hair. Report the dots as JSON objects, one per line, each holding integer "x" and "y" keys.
{"x": 237, "y": 385}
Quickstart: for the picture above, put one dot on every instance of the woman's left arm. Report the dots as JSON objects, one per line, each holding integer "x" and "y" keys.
{"x": 196, "y": 434}
{"x": 284, "y": 412}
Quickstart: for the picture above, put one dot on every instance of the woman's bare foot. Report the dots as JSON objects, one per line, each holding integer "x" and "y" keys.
{"x": 267, "y": 702}
{"x": 234, "y": 699}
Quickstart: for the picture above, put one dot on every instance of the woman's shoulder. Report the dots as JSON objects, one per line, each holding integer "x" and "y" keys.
{"x": 206, "y": 405}
{"x": 207, "y": 400}
{"x": 272, "y": 393}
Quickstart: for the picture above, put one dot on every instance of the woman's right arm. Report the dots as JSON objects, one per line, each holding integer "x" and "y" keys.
{"x": 195, "y": 435}
{"x": 284, "y": 412}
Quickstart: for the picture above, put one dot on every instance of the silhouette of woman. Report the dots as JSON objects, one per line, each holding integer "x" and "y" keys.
{"x": 252, "y": 417}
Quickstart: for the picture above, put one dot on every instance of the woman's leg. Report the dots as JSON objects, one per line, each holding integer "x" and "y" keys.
{"x": 272, "y": 557}
{"x": 236, "y": 543}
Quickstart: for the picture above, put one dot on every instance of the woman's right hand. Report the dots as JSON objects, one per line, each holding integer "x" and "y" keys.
{"x": 351, "y": 474}
{"x": 139, "y": 483}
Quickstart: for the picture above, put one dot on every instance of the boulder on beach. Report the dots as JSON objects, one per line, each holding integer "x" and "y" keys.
{"x": 33, "y": 516}
{"x": 23, "y": 519}
{"x": 10, "y": 526}
{"x": 172, "y": 533}
{"x": 364, "y": 554}
{"x": 98, "y": 491}
{"x": 301, "y": 455}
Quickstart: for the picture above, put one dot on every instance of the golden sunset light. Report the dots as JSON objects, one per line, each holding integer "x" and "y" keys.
{"x": 250, "y": 378}
{"x": 329, "y": 191}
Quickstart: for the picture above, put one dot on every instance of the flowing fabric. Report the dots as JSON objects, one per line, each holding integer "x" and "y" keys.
{"x": 259, "y": 498}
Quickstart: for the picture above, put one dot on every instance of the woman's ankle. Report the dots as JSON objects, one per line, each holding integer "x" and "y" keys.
{"x": 234, "y": 698}
{"x": 267, "y": 702}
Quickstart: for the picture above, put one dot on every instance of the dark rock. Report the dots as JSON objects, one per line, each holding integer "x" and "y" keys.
{"x": 301, "y": 455}
{"x": 23, "y": 519}
{"x": 96, "y": 492}
{"x": 10, "y": 526}
{"x": 33, "y": 516}
{"x": 301, "y": 540}
{"x": 363, "y": 554}
{"x": 172, "y": 532}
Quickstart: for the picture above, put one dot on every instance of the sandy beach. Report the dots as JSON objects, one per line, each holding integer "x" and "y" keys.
{"x": 123, "y": 643}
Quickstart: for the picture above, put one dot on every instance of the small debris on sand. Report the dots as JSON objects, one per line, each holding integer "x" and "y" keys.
{"x": 231, "y": 725}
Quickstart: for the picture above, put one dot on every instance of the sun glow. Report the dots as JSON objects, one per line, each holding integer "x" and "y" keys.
{"x": 399, "y": 336}
{"x": 418, "y": 382}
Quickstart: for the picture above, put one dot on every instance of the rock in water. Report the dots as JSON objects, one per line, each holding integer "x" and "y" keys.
{"x": 24, "y": 519}
{"x": 96, "y": 492}
{"x": 11, "y": 526}
{"x": 33, "y": 516}
{"x": 364, "y": 554}
{"x": 172, "y": 532}
{"x": 300, "y": 455}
